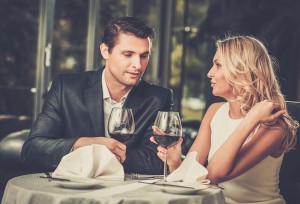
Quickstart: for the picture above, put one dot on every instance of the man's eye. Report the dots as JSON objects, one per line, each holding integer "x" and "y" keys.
{"x": 144, "y": 56}
{"x": 127, "y": 54}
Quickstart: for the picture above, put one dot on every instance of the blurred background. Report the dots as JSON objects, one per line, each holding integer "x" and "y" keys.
{"x": 41, "y": 38}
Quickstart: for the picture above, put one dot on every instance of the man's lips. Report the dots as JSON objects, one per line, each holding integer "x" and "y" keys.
{"x": 134, "y": 74}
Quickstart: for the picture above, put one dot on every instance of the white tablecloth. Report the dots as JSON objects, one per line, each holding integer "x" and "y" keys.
{"x": 34, "y": 190}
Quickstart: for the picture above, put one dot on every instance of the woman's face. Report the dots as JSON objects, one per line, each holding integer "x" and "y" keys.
{"x": 220, "y": 86}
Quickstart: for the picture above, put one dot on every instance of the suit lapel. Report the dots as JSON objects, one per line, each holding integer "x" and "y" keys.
{"x": 94, "y": 99}
{"x": 135, "y": 98}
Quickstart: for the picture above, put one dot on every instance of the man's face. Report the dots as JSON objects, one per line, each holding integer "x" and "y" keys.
{"x": 127, "y": 61}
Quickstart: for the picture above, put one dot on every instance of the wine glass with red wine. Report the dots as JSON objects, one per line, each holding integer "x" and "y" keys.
{"x": 167, "y": 131}
{"x": 121, "y": 124}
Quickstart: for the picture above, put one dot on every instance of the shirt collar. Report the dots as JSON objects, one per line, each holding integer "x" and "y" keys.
{"x": 104, "y": 87}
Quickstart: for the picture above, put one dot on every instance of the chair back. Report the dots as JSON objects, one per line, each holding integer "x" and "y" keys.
{"x": 289, "y": 180}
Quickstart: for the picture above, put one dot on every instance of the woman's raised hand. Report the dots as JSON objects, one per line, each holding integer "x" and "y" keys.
{"x": 266, "y": 112}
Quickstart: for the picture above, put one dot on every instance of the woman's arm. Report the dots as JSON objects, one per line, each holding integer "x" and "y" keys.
{"x": 202, "y": 141}
{"x": 235, "y": 156}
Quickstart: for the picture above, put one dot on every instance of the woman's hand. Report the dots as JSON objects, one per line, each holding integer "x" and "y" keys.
{"x": 173, "y": 154}
{"x": 265, "y": 112}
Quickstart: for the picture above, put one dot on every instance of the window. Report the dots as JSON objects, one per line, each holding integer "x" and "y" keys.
{"x": 18, "y": 43}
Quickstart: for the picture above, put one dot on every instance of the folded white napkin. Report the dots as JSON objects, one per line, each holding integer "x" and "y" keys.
{"x": 93, "y": 161}
{"x": 190, "y": 170}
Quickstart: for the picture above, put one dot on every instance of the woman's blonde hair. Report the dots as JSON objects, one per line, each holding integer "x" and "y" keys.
{"x": 250, "y": 70}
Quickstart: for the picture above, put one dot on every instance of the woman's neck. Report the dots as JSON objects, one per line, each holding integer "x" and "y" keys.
{"x": 235, "y": 110}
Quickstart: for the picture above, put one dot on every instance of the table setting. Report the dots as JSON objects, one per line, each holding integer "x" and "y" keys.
{"x": 94, "y": 174}
{"x": 93, "y": 177}
{"x": 91, "y": 165}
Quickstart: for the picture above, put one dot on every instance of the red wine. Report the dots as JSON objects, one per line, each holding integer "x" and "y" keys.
{"x": 121, "y": 137}
{"x": 166, "y": 141}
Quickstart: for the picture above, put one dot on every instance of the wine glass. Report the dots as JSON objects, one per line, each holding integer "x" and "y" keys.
{"x": 167, "y": 131}
{"x": 121, "y": 124}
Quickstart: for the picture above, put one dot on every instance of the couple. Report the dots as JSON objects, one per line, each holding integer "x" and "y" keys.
{"x": 258, "y": 130}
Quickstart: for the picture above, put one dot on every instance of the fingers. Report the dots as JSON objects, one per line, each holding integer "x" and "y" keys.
{"x": 116, "y": 147}
{"x": 161, "y": 155}
{"x": 118, "y": 158}
{"x": 120, "y": 154}
{"x": 153, "y": 140}
{"x": 161, "y": 149}
{"x": 179, "y": 142}
{"x": 273, "y": 112}
{"x": 277, "y": 114}
{"x": 276, "y": 110}
{"x": 157, "y": 131}
{"x": 119, "y": 149}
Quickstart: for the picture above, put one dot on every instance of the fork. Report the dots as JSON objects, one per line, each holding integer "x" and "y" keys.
{"x": 50, "y": 178}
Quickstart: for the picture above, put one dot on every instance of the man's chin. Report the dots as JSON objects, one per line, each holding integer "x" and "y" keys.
{"x": 133, "y": 82}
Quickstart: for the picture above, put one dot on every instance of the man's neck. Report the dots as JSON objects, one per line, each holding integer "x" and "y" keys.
{"x": 116, "y": 93}
{"x": 116, "y": 90}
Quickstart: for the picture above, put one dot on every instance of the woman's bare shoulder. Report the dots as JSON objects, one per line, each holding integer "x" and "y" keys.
{"x": 213, "y": 108}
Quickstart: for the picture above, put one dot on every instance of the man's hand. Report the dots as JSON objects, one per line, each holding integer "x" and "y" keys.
{"x": 116, "y": 147}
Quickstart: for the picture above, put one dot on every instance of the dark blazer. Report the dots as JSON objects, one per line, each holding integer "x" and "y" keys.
{"x": 73, "y": 108}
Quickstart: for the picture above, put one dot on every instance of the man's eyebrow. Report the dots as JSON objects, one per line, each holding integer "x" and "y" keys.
{"x": 146, "y": 53}
{"x": 129, "y": 51}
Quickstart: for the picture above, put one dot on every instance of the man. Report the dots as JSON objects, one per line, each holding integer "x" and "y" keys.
{"x": 77, "y": 107}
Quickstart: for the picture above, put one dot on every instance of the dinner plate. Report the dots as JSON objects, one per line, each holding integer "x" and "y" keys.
{"x": 79, "y": 183}
{"x": 182, "y": 190}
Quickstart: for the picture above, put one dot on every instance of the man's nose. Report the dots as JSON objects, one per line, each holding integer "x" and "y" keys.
{"x": 136, "y": 62}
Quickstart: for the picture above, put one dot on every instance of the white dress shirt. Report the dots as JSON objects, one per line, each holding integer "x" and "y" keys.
{"x": 109, "y": 103}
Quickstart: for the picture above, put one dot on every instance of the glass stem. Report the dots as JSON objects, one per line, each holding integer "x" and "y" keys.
{"x": 165, "y": 167}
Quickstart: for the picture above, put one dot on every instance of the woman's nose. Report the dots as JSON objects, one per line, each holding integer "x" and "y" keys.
{"x": 210, "y": 73}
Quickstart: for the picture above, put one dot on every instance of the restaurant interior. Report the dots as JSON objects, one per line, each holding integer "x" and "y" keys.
{"x": 43, "y": 38}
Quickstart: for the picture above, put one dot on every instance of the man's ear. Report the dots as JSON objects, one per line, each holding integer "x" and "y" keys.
{"x": 104, "y": 51}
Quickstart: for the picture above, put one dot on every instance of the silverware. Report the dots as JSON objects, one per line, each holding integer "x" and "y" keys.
{"x": 136, "y": 176}
{"x": 50, "y": 178}
{"x": 180, "y": 184}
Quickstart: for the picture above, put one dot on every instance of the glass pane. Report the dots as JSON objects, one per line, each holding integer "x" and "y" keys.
{"x": 148, "y": 12}
{"x": 192, "y": 83}
{"x": 69, "y": 36}
{"x": 108, "y": 10}
{"x": 143, "y": 9}
{"x": 18, "y": 43}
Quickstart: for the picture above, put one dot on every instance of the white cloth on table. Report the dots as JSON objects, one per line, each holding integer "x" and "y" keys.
{"x": 93, "y": 161}
{"x": 190, "y": 170}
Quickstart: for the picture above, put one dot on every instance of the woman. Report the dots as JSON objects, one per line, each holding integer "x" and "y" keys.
{"x": 244, "y": 139}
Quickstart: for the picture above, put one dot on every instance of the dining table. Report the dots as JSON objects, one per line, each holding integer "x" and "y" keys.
{"x": 37, "y": 189}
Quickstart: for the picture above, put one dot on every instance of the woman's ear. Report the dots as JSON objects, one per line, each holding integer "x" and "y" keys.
{"x": 104, "y": 51}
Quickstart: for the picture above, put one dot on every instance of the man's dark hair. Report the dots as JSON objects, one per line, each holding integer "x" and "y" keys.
{"x": 126, "y": 25}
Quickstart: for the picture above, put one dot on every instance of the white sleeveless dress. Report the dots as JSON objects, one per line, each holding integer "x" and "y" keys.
{"x": 260, "y": 183}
